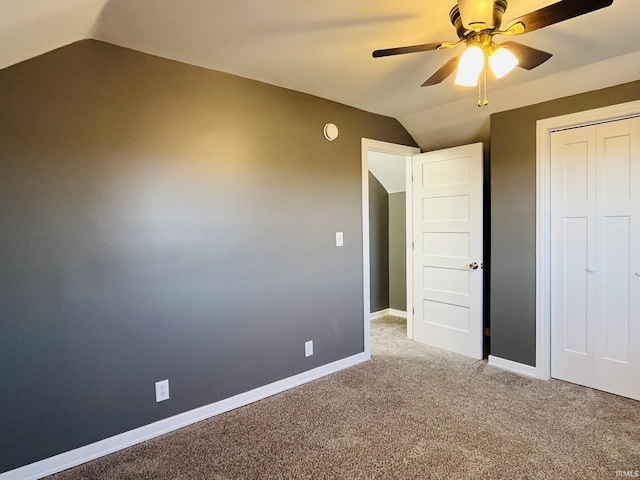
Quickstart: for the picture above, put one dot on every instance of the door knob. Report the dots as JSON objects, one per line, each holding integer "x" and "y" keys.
{"x": 638, "y": 273}
{"x": 590, "y": 270}
{"x": 473, "y": 266}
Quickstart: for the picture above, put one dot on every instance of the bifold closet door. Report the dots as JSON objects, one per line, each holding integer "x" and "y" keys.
{"x": 595, "y": 256}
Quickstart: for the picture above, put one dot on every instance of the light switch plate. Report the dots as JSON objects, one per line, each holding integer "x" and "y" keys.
{"x": 339, "y": 239}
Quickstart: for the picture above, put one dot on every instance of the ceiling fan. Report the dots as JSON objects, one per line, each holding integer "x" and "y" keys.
{"x": 477, "y": 22}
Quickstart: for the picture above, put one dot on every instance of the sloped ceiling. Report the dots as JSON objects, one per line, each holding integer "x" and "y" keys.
{"x": 325, "y": 49}
{"x": 390, "y": 170}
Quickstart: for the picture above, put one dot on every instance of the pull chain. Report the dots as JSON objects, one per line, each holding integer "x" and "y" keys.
{"x": 483, "y": 101}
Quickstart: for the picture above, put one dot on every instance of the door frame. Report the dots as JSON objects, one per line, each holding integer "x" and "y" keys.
{"x": 544, "y": 129}
{"x": 369, "y": 145}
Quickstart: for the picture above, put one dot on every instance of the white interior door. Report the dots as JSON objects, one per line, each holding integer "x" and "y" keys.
{"x": 595, "y": 256}
{"x": 447, "y": 255}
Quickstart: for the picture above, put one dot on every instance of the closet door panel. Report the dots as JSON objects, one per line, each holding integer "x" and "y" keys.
{"x": 617, "y": 245}
{"x": 573, "y": 342}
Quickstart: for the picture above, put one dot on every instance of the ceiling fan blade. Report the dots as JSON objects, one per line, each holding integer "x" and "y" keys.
{"x": 400, "y": 50}
{"x": 443, "y": 72}
{"x": 556, "y": 13}
{"x": 529, "y": 57}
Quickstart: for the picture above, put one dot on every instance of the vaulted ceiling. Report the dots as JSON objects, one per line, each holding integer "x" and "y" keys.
{"x": 325, "y": 49}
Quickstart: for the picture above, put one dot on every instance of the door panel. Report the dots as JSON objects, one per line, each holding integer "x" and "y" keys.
{"x": 615, "y": 288}
{"x": 576, "y": 289}
{"x": 447, "y": 226}
{"x": 446, "y": 244}
{"x": 454, "y": 317}
{"x": 573, "y": 255}
{"x": 445, "y": 209}
{"x": 446, "y": 280}
{"x": 618, "y": 245}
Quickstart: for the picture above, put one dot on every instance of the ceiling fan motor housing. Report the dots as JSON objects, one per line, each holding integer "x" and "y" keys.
{"x": 499, "y": 7}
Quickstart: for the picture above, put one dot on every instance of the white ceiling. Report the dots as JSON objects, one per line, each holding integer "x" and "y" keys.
{"x": 325, "y": 49}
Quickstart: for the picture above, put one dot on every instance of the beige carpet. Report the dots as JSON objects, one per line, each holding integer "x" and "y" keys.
{"x": 413, "y": 412}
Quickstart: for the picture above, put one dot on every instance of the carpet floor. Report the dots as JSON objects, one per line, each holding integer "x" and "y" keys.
{"x": 412, "y": 412}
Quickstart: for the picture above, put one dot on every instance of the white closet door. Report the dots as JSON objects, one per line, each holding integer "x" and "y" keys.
{"x": 595, "y": 238}
{"x": 573, "y": 255}
{"x": 618, "y": 257}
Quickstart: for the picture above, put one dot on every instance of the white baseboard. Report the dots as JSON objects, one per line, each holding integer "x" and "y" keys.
{"x": 397, "y": 313}
{"x": 104, "y": 447}
{"x": 388, "y": 311}
{"x": 514, "y": 367}
{"x": 381, "y": 313}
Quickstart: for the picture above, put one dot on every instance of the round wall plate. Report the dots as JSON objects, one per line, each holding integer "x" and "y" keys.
{"x": 330, "y": 132}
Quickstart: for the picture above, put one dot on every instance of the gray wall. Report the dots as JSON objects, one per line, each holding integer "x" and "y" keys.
{"x": 398, "y": 251}
{"x": 513, "y": 210}
{"x": 378, "y": 244}
{"x": 163, "y": 221}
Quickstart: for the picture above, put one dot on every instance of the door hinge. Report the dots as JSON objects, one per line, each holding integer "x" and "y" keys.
{"x": 487, "y": 332}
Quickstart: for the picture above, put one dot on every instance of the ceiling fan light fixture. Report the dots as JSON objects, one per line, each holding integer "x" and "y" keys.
{"x": 502, "y": 61}
{"x": 476, "y": 14}
{"x": 477, "y": 22}
{"x": 469, "y": 67}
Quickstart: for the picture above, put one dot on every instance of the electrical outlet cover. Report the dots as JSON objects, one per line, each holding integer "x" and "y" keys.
{"x": 308, "y": 348}
{"x": 162, "y": 391}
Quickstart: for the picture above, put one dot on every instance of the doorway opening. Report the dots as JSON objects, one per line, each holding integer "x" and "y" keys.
{"x": 387, "y": 234}
{"x": 380, "y": 153}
